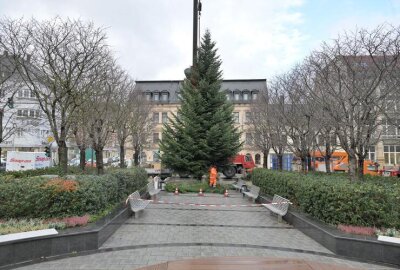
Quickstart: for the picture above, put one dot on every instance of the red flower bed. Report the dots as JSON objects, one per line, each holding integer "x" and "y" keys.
{"x": 357, "y": 230}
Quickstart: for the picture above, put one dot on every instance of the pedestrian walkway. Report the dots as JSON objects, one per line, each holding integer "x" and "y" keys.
{"x": 178, "y": 230}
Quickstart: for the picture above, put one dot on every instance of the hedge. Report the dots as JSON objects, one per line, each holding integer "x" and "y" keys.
{"x": 37, "y": 197}
{"x": 334, "y": 199}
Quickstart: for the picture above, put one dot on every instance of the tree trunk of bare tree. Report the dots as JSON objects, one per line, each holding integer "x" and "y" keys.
{"x": 303, "y": 164}
{"x": 280, "y": 161}
{"x": 352, "y": 167}
{"x": 99, "y": 161}
{"x": 63, "y": 155}
{"x": 82, "y": 158}
{"x": 310, "y": 166}
{"x": 122, "y": 155}
{"x": 265, "y": 158}
{"x": 136, "y": 154}
{"x": 360, "y": 168}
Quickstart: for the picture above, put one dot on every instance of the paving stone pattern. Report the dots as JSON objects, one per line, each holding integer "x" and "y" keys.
{"x": 190, "y": 231}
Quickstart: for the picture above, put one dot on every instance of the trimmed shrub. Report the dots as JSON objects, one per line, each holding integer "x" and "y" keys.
{"x": 87, "y": 194}
{"x": 334, "y": 199}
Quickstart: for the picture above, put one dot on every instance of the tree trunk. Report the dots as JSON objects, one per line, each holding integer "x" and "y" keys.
{"x": 352, "y": 167}
{"x": 82, "y": 158}
{"x": 328, "y": 162}
{"x": 265, "y": 158}
{"x": 280, "y": 161}
{"x": 136, "y": 154}
{"x": 310, "y": 166}
{"x": 63, "y": 155}
{"x": 122, "y": 156}
{"x": 1, "y": 127}
{"x": 99, "y": 161}
{"x": 360, "y": 168}
{"x": 303, "y": 164}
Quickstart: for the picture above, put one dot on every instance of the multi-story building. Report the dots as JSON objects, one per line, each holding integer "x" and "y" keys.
{"x": 164, "y": 97}
{"x": 25, "y": 127}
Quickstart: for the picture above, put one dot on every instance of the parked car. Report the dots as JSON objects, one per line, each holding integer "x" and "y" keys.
{"x": 74, "y": 162}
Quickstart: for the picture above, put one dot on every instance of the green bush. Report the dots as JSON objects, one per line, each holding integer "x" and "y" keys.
{"x": 194, "y": 187}
{"x": 56, "y": 170}
{"x": 334, "y": 199}
{"x": 34, "y": 198}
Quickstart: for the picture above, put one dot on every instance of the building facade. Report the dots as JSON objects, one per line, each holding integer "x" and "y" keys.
{"x": 164, "y": 99}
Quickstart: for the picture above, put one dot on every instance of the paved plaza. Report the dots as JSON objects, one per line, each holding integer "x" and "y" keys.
{"x": 220, "y": 227}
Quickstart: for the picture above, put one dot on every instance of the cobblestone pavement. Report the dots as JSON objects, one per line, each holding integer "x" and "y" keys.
{"x": 166, "y": 232}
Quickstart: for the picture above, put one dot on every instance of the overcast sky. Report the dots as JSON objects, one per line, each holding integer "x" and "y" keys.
{"x": 152, "y": 39}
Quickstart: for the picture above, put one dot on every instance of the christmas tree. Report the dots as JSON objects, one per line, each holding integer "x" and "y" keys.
{"x": 203, "y": 132}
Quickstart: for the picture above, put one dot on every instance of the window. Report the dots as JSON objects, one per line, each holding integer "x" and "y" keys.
{"x": 371, "y": 153}
{"x": 156, "y": 156}
{"x": 246, "y": 96}
{"x": 236, "y": 117}
{"x": 249, "y": 139}
{"x": 27, "y": 93}
{"x": 391, "y": 154}
{"x": 156, "y": 118}
{"x": 148, "y": 96}
{"x": 164, "y": 96}
{"x": 258, "y": 159}
{"x": 165, "y": 117}
{"x": 25, "y": 112}
{"x": 254, "y": 95}
{"x": 19, "y": 132}
{"x": 248, "y": 158}
{"x": 31, "y": 113}
{"x": 20, "y": 93}
{"x": 37, "y": 114}
{"x": 156, "y": 138}
{"x": 19, "y": 113}
{"x": 228, "y": 95}
{"x": 236, "y": 95}
{"x": 248, "y": 117}
{"x": 32, "y": 94}
{"x": 156, "y": 96}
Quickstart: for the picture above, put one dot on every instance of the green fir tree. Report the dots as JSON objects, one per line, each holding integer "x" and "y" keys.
{"x": 203, "y": 132}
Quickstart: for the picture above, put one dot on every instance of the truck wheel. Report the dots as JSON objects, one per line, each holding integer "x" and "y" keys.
{"x": 229, "y": 171}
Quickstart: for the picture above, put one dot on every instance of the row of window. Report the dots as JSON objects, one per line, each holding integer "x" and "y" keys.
{"x": 26, "y": 93}
{"x": 28, "y": 113}
{"x": 20, "y": 132}
{"x": 156, "y": 117}
{"x": 164, "y": 117}
{"x": 157, "y": 96}
{"x": 241, "y": 95}
{"x": 236, "y": 95}
{"x": 391, "y": 129}
{"x": 391, "y": 154}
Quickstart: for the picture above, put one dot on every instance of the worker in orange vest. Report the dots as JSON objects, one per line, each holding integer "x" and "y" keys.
{"x": 213, "y": 176}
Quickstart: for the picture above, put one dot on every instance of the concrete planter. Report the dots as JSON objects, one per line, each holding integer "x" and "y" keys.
{"x": 363, "y": 248}
{"x": 69, "y": 241}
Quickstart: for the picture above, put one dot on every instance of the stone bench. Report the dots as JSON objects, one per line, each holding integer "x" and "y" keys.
{"x": 136, "y": 203}
{"x": 252, "y": 193}
{"x": 279, "y": 205}
{"x": 239, "y": 185}
{"x": 153, "y": 191}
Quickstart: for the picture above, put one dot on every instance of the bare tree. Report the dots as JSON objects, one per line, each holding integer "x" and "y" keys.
{"x": 56, "y": 66}
{"x": 261, "y": 125}
{"x": 354, "y": 76}
{"x": 140, "y": 126}
{"x": 10, "y": 81}
{"x": 123, "y": 111}
{"x": 101, "y": 106}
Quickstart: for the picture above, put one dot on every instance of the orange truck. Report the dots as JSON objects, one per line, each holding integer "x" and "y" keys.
{"x": 340, "y": 163}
